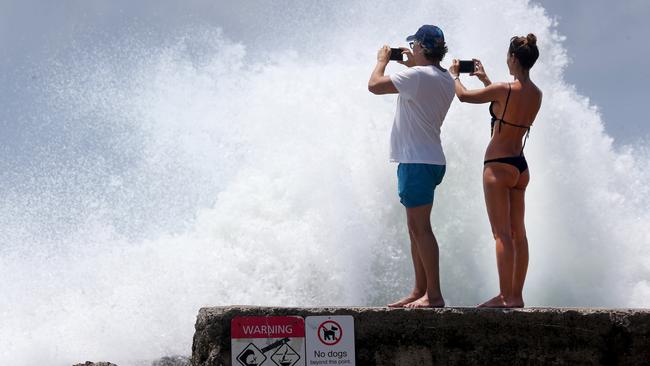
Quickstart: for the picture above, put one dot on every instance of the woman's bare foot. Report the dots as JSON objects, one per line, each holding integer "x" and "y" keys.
{"x": 495, "y": 302}
{"x": 426, "y": 302}
{"x": 515, "y": 302}
{"x": 405, "y": 300}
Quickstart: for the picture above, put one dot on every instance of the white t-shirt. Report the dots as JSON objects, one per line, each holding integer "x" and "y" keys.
{"x": 425, "y": 94}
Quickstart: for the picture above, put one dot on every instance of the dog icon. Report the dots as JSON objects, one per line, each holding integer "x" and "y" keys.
{"x": 330, "y": 334}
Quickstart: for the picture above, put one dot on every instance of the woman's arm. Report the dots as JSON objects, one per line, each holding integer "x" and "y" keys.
{"x": 477, "y": 96}
{"x": 490, "y": 93}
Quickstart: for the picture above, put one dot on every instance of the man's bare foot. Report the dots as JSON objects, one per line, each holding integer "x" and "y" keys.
{"x": 425, "y": 302}
{"x": 495, "y": 302}
{"x": 405, "y": 300}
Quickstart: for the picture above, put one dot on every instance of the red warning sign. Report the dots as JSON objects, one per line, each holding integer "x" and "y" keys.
{"x": 330, "y": 332}
{"x": 267, "y": 341}
{"x": 267, "y": 327}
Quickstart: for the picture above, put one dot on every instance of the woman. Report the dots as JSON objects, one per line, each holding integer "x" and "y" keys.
{"x": 513, "y": 107}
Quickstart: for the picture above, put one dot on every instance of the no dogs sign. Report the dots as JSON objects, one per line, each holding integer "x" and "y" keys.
{"x": 330, "y": 340}
{"x": 267, "y": 341}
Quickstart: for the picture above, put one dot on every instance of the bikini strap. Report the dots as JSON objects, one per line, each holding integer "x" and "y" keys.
{"x": 505, "y": 107}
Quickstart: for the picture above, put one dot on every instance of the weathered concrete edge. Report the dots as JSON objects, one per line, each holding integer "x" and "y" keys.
{"x": 211, "y": 341}
{"x": 231, "y": 311}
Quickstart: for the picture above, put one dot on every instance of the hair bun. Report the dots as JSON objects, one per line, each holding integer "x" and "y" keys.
{"x": 531, "y": 39}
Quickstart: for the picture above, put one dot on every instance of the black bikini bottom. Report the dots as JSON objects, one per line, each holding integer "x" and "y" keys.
{"x": 518, "y": 162}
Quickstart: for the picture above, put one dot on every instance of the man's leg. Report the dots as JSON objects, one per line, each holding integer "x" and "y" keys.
{"x": 418, "y": 219}
{"x": 420, "y": 287}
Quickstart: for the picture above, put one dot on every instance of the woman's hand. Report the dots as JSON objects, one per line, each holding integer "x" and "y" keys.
{"x": 453, "y": 69}
{"x": 479, "y": 72}
{"x": 410, "y": 60}
{"x": 383, "y": 55}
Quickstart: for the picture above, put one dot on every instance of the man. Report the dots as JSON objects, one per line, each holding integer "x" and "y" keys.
{"x": 425, "y": 94}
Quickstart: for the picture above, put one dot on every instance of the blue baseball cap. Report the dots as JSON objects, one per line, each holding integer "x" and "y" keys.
{"x": 429, "y": 36}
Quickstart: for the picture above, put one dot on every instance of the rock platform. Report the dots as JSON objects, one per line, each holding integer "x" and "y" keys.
{"x": 460, "y": 336}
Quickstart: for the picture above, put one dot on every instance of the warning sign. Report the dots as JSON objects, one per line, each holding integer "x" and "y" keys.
{"x": 330, "y": 340}
{"x": 267, "y": 341}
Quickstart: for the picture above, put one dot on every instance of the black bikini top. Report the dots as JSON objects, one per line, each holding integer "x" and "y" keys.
{"x": 502, "y": 122}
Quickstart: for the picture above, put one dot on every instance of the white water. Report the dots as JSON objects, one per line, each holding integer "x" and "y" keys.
{"x": 206, "y": 171}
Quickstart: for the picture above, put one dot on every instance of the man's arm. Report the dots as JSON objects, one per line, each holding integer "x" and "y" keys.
{"x": 380, "y": 83}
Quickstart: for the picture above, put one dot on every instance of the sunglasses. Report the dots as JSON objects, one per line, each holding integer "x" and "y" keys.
{"x": 412, "y": 44}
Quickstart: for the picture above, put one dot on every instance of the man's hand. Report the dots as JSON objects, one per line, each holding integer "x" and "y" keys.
{"x": 383, "y": 55}
{"x": 410, "y": 60}
{"x": 379, "y": 83}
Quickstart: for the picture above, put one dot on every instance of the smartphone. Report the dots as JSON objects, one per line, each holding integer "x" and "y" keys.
{"x": 466, "y": 66}
{"x": 396, "y": 54}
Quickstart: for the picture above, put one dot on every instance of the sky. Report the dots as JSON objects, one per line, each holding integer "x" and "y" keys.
{"x": 605, "y": 41}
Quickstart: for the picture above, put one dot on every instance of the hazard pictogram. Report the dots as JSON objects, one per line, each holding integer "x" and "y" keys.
{"x": 285, "y": 356}
{"x": 251, "y": 356}
{"x": 330, "y": 332}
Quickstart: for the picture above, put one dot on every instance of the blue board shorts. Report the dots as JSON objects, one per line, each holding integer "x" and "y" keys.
{"x": 416, "y": 183}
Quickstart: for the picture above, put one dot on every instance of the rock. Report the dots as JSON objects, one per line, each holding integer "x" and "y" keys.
{"x": 460, "y": 336}
{"x": 172, "y": 361}
{"x": 165, "y": 361}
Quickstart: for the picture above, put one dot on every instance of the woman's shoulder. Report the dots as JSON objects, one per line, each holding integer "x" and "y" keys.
{"x": 500, "y": 86}
{"x": 535, "y": 90}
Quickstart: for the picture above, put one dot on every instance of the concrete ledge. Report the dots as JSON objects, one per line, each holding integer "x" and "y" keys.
{"x": 461, "y": 336}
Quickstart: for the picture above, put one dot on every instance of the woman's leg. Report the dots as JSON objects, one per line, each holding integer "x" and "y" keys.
{"x": 498, "y": 178}
{"x": 520, "y": 240}
{"x": 418, "y": 219}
